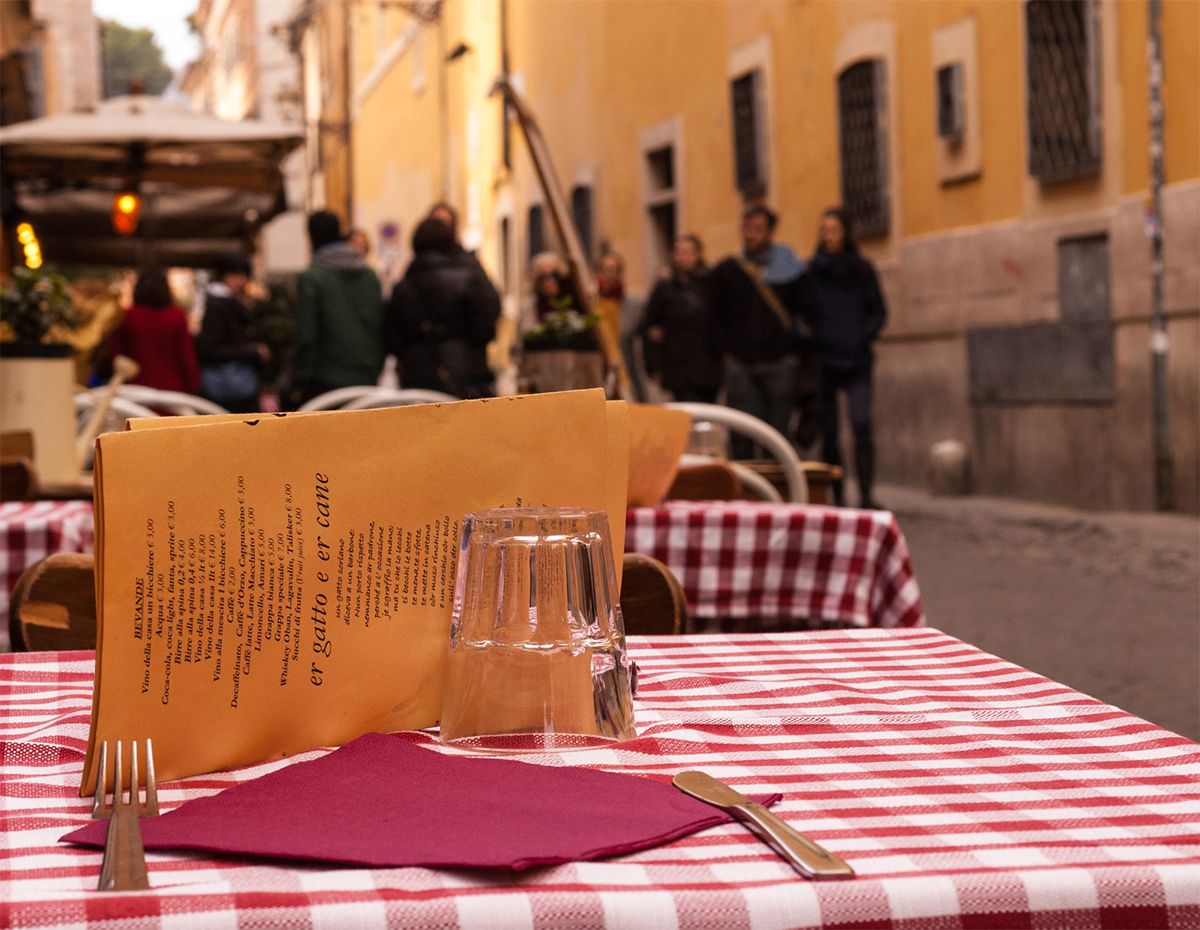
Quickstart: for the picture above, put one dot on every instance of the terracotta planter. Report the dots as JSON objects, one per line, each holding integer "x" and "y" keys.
{"x": 37, "y": 388}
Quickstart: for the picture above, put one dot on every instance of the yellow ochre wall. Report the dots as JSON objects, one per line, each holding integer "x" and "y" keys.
{"x": 979, "y": 251}
{"x": 598, "y": 71}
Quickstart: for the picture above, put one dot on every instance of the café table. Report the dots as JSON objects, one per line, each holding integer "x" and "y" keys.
{"x": 965, "y": 791}
{"x": 32, "y": 530}
{"x": 781, "y": 562}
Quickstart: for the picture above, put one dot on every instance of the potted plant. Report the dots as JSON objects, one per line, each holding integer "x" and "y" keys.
{"x": 37, "y": 375}
{"x": 33, "y": 307}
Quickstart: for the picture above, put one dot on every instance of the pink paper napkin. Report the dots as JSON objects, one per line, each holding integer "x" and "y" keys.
{"x": 382, "y": 801}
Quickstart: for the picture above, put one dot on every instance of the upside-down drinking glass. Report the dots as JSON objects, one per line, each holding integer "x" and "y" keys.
{"x": 537, "y": 644}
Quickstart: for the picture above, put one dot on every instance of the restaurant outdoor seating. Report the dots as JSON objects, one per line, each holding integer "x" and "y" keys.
{"x": 965, "y": 792}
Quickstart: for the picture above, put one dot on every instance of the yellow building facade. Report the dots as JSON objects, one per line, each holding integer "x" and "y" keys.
{"x": 1016, "y": 266}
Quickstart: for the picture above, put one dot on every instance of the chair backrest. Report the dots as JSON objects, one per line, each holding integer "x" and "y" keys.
{"x": 762, "y": 433}
{"x": 652, "y": 599}
{"x": 18, "y": 479}
{"x": 187, "y": 405}
{"x": 360, "y": 397}
{"x": 53, "y": 606}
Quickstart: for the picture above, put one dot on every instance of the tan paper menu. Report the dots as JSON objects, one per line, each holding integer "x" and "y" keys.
{"x": 269, "y": 585}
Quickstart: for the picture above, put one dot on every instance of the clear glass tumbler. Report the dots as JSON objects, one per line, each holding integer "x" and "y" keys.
{"x": 537, "y": 644}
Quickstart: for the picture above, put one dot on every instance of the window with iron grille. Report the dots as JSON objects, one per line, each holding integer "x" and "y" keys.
{"x": 1063, "y": 78}
{"x": 748, "y": 157}
{"x": 863, "y": 139}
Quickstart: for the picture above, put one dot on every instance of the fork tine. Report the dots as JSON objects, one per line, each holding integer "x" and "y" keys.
{"x": 150, "y": 809}
{"x": 118, "y": 781}
{"x": 99, "y": 808}
{"x": 134, "y": 800}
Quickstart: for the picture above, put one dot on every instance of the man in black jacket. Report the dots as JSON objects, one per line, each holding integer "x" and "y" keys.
{"x": 760, "y": 322}
{"x": 441, "y": 316}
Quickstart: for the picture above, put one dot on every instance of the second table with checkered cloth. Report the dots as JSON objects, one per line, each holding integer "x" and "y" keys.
{"x": 30, "y": 531}
{"x": 782, "y": 562}
{"x": 965, "y": 791}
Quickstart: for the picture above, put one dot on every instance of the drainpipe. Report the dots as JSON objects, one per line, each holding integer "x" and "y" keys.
{"x": 1164, "y": 470}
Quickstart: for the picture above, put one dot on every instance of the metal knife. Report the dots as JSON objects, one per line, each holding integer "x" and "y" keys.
{"x": 805, "y": 856}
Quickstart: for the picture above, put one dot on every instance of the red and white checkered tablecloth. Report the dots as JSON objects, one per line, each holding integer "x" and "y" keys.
{"x": 782, "y": 561}
{"x": 967, "y": 793}
{"x": 32, "y": 531}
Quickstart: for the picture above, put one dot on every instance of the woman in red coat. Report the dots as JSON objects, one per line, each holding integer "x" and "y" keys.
{"x": 155, "y": 334}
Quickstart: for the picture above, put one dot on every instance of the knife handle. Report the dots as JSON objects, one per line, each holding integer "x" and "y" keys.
{"x": 805, "y": 856}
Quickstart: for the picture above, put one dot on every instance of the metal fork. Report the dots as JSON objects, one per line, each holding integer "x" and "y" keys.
{"x": 124, "y": 866}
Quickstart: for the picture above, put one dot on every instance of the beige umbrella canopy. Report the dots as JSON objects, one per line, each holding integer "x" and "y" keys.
{"x": 206, "y": 184}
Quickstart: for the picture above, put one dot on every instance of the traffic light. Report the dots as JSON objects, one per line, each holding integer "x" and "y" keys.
{"x": 127, "y": 210}
{"x": 29, "y": 242}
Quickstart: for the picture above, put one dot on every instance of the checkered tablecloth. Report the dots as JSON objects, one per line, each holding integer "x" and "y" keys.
{"x": 965, "y": 791}
{"x": 782, "y": 561}
{"x": 32, "y": 531}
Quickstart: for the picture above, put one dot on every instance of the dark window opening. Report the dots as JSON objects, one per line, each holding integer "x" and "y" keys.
{"x": 581, "y": 213}
{"x": 1063, "y": 78}
{"x": 863, "y": 147}
{"x": 749, "y": 167}
{"x": 662, "y": 224}
{"x": 537, "y": 230}
{"x": 950, "y": 115}
{"x": 661, "y": 164}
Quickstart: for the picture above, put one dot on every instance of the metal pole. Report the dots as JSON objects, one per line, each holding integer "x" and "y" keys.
{"x": 1164, "y": 470}
{"x": 347, "y": 99}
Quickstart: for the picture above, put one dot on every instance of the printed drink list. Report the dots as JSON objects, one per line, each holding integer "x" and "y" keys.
{"x": 266, "y": 586}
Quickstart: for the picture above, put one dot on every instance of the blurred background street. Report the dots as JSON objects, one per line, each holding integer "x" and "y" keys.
{"x": 1108, "y": 603}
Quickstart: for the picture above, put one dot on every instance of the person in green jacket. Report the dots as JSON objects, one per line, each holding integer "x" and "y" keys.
{"x": 339, "y": 315}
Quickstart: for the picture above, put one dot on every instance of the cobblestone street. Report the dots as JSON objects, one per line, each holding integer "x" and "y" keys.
{"x": 1107, "y": 603}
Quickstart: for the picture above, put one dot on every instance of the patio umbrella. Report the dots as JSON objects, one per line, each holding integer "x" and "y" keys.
{"x": 206, "y": 184}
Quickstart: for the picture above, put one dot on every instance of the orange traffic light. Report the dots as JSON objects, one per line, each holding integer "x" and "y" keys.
{"x": 127, "y": 210}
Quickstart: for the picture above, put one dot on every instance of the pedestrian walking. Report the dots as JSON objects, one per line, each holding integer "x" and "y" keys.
{"x": 339, "y": 315}
{"x": 231, "y": 356}
{"x": 760, "y": 321}
{"x": 850, "y": 312}
{"x": 154, "y": 333}
{"x": 675, "y": 342}
{"x": 441, "y": 316}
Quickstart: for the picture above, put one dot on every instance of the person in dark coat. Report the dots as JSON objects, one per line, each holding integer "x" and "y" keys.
{"x": 674, "y": 328}
{"x": 760, "y": 321}
{"x": 339, "y": 315}
{"x": 850, "y": 314}
{"x": 231, "y": 357}
{"x": 154, "y": 333}
{"x": 441, "y": 316}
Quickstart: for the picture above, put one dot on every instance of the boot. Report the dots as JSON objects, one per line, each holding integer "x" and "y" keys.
{"x": 864, "y": 470}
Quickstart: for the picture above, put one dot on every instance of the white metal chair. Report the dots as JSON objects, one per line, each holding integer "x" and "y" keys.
{"x": 360, "y": 397}
{"x": 762, "y": 433}
{"x": 176, "y": 401}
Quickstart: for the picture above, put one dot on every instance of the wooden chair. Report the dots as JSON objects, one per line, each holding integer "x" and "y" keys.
{"x": 652, "y": 600}
{"x": 18, "y": 479}
{"x": 54, "y": 605}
